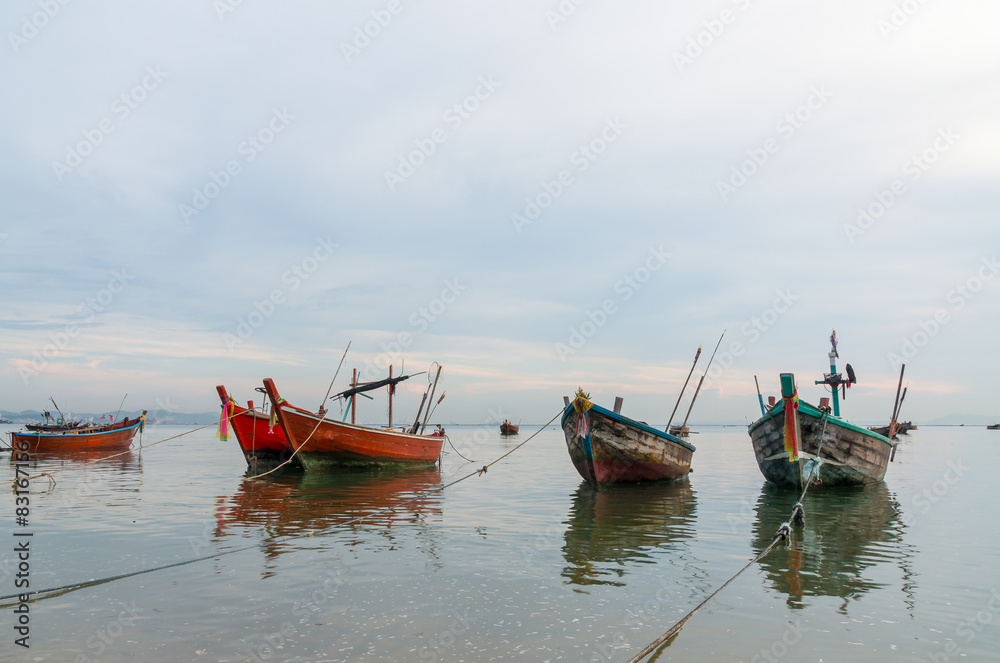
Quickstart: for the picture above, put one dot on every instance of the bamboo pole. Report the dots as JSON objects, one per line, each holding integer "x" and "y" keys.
{"x": 322, "y": 406}
{"x": 681, "y": 395}
{"x": 119, "y": 408}
{"x": 695, "y": 397}
{"x": 760, "y": 399}
{"x": 437, "y": 376}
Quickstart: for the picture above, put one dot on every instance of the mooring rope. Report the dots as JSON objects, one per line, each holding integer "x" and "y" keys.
{"x": 42, "y": 594}
{"x": 784, "y": 531}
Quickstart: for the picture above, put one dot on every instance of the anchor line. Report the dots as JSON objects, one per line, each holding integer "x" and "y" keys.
{"x": 42, "y": 594}
{"x": 783, "y": 533}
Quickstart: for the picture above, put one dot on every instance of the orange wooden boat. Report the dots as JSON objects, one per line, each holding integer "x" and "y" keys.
{"x": 261, "y": 441}
{"x": 327, "y": 444}
{"x": 117, "y": 436}
{"x": 507, "y": 428}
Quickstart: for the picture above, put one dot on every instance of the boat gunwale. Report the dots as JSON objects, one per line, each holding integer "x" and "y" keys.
{"x": 646, "y": 428}
{"x": 67, "y": 434}
{"x": 811, "y": 409}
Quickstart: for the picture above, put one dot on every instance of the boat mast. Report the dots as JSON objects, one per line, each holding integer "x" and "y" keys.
{"x": 392, "y": 388}
{"x": 833, "y": 379}
{"x": 683, "y": 389}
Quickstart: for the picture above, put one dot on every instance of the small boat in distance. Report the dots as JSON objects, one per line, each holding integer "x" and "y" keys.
{"x": 327, "y": 444}
{"x": 608, "y": 448}
{"x": 115, "y": 436}
{"x": 993, "y": 427}
{"x": 507, "y": 428}
{"x": 794, "y": 438}
{"x": 261, "y": 440}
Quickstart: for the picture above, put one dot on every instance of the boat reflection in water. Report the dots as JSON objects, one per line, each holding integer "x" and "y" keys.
{"x": 129, "y": 460}
{"x": 848, "y": 531}
{"x": 311, "y": 503}
{"x": 617, "y": 525}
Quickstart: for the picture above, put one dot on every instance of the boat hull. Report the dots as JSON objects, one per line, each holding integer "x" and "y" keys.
{"x": 608, "y": 448}
{"x": 324, "y": 444}
{"x": 508, "y": 429}
{"x": 850, "y": 454}
{"x": 115, "y": 437}
{"x": 260, "y": 442}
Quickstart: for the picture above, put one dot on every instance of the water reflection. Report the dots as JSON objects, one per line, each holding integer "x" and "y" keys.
{"x": 306, "y": 504}
{"x": 848, "y": 531}
{"x": 611, "y": 527}
{"x": 63, "y": 459}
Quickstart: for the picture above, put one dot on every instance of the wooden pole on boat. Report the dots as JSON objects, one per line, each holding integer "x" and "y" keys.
{"x": 897, "y": 403}
{"x": 695, "y": 397}
{"x": 61, "y": 415}
{"x": 895, "y": 413}
{"x": 433, "y": 389}
{"x": 391, "y": 389}
{"x": 420, "y": 411}
{"x": 119, "y": 408}
{"x": 681, "y": 395}
{"x": 322, "y": 406}
{"x": 760, "y": 398}
{"x": 691, "y": 407}
{"x": 354, "y": 397}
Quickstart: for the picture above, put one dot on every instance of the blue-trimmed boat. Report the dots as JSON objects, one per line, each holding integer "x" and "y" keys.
{"x": 107, "y": 437}
{"x": 793, "y": 439}
{"x": 607, "y": 448}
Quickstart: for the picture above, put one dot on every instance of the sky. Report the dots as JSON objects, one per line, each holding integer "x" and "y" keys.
{"x": 538, "y": 196}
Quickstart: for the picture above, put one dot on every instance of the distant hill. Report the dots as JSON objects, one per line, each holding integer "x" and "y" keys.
{"x": 152, "y": 416}
{"x": 967, "y": 419}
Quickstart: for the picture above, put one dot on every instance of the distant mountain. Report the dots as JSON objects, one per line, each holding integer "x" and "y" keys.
{"x": 967, "y": 419}
{"x": 152, "y": 416}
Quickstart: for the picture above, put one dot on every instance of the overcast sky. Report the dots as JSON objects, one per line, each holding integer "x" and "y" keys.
{"x": 537, "y": 195}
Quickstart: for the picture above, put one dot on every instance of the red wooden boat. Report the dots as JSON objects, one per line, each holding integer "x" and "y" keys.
{"x": 261, "y": 441}
{"x": 110, "y": 437}
{"x": 507, "y": 428}
{"x": 327, "y": 444}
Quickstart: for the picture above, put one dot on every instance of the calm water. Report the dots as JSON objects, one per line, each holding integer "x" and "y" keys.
{"x": 523, "y": 563}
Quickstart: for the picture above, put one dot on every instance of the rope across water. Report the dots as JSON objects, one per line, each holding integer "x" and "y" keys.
{"x": 784, "y": 531}
{"x": 42, "y": 594}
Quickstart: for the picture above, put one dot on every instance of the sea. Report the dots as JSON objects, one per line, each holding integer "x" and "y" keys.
{"x": 184, "y": 557}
